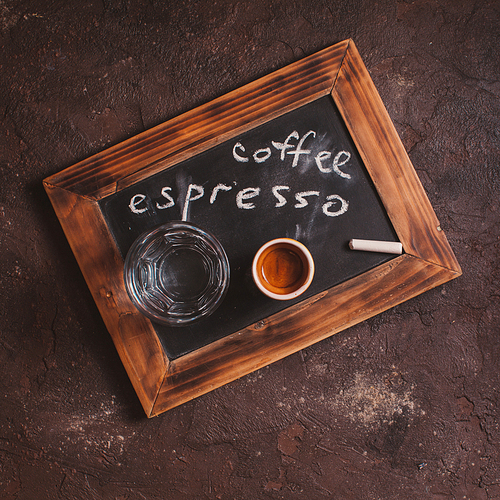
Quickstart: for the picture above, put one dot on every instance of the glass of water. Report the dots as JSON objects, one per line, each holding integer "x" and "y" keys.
{"x": 177, "y": 273}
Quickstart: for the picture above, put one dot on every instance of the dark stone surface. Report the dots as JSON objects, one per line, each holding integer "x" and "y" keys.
{"x": 403, "y": 406}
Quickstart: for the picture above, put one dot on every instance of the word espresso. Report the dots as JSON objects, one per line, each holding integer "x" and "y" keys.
{"x": 245, "y": 199}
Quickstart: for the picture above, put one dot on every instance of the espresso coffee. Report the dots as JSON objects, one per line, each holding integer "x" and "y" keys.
{"x": 282, "y": 268}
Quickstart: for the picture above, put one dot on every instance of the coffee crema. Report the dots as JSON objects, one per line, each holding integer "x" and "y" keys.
{"x": 282, "y": 269}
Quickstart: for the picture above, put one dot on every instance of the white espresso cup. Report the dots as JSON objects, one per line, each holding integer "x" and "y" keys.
{"x": 283, "y": 269}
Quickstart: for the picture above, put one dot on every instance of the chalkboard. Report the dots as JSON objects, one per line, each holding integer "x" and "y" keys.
{"x": 307, "y": 152}
{"x": 297, "y": 176}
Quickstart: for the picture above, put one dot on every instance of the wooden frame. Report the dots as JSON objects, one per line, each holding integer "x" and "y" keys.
{"x": 427, "y": 262}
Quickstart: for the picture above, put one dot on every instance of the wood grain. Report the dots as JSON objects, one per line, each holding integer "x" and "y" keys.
{"x": 102, "y": 267}
{"x": 389, "y": 165}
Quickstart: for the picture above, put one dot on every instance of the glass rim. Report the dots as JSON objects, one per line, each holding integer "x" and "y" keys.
{"x": 153, "y": 300}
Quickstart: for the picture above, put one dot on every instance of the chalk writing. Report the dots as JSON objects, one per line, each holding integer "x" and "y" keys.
{"x": 165, "y": 194}
{"x": 294, "y": 146}
{"x": 246, "y": 194}
{"x": 139, "y": 203}
{"x": 281, "y": 199}
{"x": 216, "y": 189}
{"x": 263, "y": 154}
{"x": 136, "y": 200}
{"x": 236, "y": 156}
{"x": 199, "y": 193}
{"x": 325, "y": 155}
{"x": 301, "y": 198}
{"x": 344, "y": 205}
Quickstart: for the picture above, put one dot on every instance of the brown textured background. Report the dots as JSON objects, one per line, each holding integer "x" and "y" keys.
{"x": 403, "y": 406}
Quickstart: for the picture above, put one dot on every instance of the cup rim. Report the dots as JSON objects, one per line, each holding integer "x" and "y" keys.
{"x": 292, "y": 295}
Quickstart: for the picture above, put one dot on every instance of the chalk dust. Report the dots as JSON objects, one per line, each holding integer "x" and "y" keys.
{"x": 371, "y": 401}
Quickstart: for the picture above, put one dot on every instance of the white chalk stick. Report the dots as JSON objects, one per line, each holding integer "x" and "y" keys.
{"x": 376, "y": 246}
